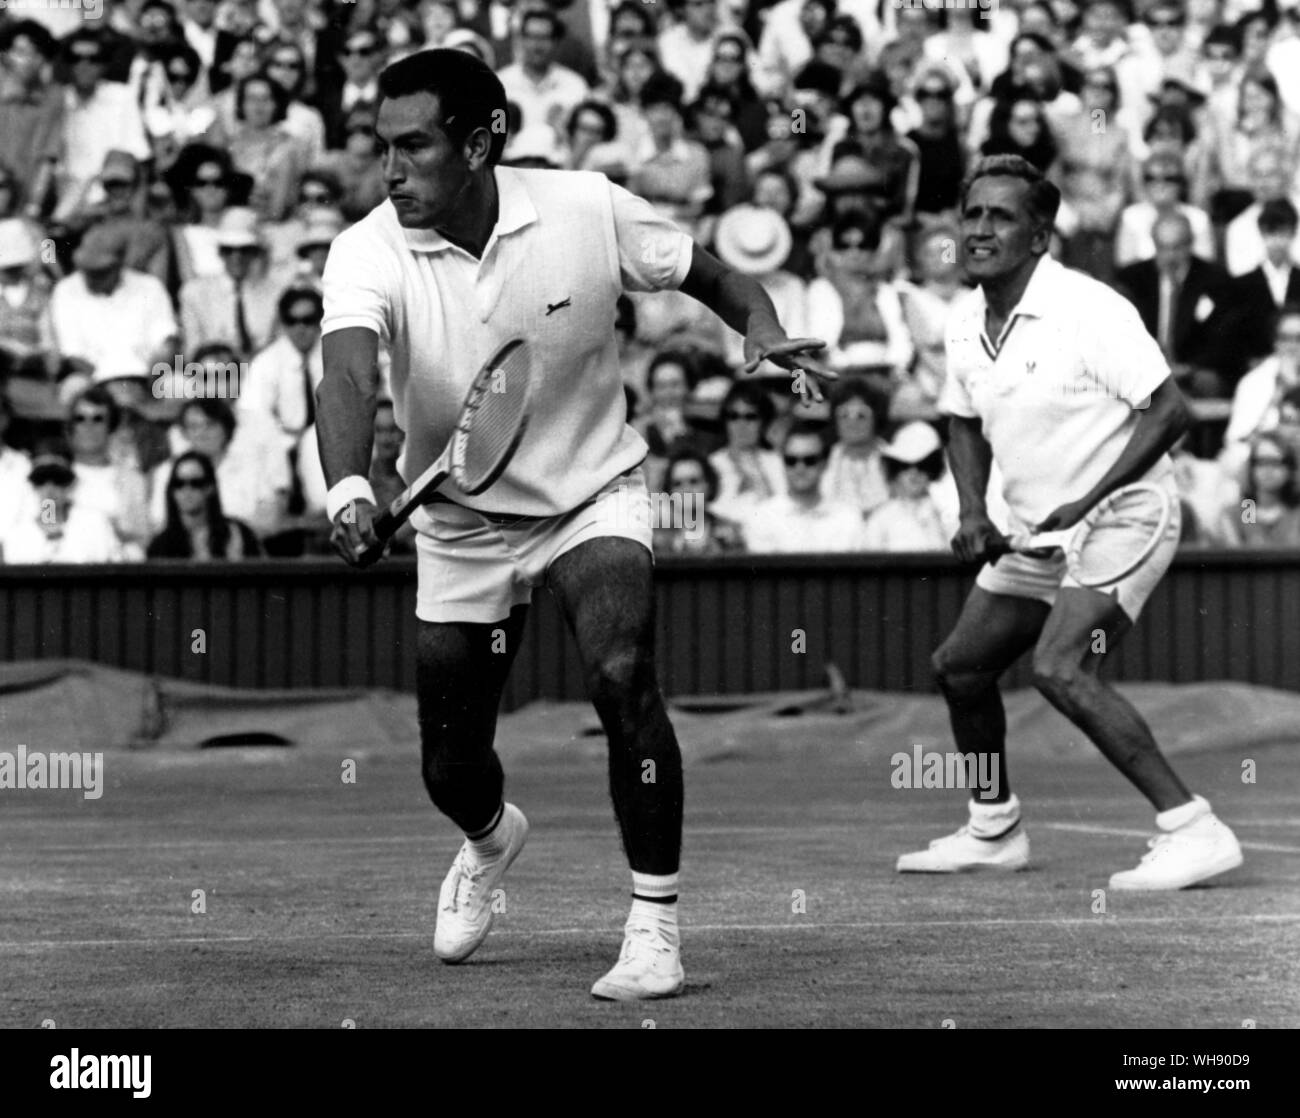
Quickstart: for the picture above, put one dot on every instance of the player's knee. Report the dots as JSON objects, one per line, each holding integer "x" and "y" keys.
{"x": 955, "y": 682}
{"x": 621, "y": 676}
{"x": 1058, "y": 678}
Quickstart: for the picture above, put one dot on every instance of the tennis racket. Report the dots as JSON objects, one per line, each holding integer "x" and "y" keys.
{"x": 1117, "y": 536}
{"x": 491, "y": 424}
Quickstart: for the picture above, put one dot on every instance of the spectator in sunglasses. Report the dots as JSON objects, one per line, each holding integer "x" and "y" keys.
{"x": 1268, "y": 514}
{"x": 802, "y": 519}
{"x": 108, "y": 481}
{"x": 729, "y": 70}
{"x": 196, "y": 526}
{"x": 357, "y": 167}
{"x": 748, "y": 470}
{"x": 361, "y": 57}
{"x": 1164, "y": 184}
{"x": 910, "y": 520}
{"x": 55, "y": 526}
{"x": 855, "y": 471}
{"x": 938, "y": 142}
{"x": 687, "y": 524}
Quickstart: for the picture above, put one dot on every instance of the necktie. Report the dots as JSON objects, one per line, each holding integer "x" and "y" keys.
{"x": 308, "y": 392}
{"x": 1165, "y": 322}
{"x": 241, "y": 323}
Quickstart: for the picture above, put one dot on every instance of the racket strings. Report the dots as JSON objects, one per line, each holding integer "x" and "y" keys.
{"x": 1119, "y": 539}
{"x": 493, "y": 422}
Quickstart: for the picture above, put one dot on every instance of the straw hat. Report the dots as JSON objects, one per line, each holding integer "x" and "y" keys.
{"x": 752, "y": 239}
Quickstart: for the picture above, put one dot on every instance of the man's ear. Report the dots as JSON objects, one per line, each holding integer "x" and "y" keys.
{"x": 478, "y": 146}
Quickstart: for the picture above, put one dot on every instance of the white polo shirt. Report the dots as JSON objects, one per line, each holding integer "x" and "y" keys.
{"x": 1056, "y": 394}
{"x": 562, "y": 237}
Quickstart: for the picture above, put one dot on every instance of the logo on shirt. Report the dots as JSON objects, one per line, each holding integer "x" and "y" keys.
{"x": 552, "y": 307}
{"x": 1030, "y": 366}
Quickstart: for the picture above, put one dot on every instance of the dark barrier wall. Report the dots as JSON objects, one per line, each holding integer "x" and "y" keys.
{"x": 730, "y": 625}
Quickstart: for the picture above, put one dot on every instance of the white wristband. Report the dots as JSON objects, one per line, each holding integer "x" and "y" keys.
{"x": 351, "y": 488}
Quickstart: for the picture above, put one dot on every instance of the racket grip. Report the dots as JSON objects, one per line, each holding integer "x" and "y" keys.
{"x": 385, "y": 526}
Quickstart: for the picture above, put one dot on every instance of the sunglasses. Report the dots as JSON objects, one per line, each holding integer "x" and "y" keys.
{"x": 1171, "y": 22}
{"x": 314, "y": 198}
{"x": 359, "y": 52}
{"x": 728, "y": 57}
{"x": 190, "y": 483}
{"x": 801, "y": 459}
{"x": 202, "y": 182}
{"x": 742, "y": 416}
{"x": 286, "y": 64}
{"x": 302, "y": 320}
{"x": 90, "y": 417}
{"x": 933, "y": 95}
{"x": 180, "y": 75}
{"x": 87, "y": 59}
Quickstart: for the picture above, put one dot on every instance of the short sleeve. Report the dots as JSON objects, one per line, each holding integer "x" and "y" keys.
{"x": 653, "y": 253}
{"x": 954, "y": 396}
{"x": 356, "y": 285}
{"x": 1120, "y": 355}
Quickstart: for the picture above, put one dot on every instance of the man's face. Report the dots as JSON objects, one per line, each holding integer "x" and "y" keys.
{"x": 1277, "y": 245}
{"x": 238, "y": 261}
{"x": 712, "y": 119}
{"x": 89, "y": 434}
{"x": 302, "y": 324}
{"x": 1103, "y": 22}
{"x": 702, "y": 16}
{"x": 23, "y": 59}
{"x": 688, "y": 477}
{"x": 204, "y": 434}
{"x": 201, "y": 12}
{"x": 361, "y": 58}
{"x": 1220, "y": 62}
{"x": 425, "y": 173}
{"x": 805, "y": 462}
{"x": 259, "y": 104}
{"x": 999, "y": 235}
{"x": 155, "y": 27}
{"x": 1168, "y": 27}
{"x": 663, "y": 121}
{"x": 103, "y": 281}
{"x": 1269, "y": 174}
{"x": 537, "y": 43}
{"x": 669, "y": 387}
{"x": 87, "y": 67}
{"x": 1173, "y": 241}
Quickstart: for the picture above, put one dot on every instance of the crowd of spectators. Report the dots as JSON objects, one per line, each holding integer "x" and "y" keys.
{"x": 172, "y": 176}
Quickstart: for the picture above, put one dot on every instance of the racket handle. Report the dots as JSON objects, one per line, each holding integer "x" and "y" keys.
{"x": 385, "y": 526}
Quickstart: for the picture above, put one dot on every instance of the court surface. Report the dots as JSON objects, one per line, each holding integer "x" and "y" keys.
{"x": 319, "y": 901}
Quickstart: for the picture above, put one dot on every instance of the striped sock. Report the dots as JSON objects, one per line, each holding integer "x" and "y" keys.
{"x": 654, "y": 900}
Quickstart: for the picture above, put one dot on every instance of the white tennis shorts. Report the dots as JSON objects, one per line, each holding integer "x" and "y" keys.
{"x": 1022, "y": 576}
{"x": 477, "y": 568}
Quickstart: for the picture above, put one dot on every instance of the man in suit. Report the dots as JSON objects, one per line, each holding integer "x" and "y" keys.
{"x": 1255, "y": 298}
{"x": 1183, "y": 302}
{"x": 361, "y": 57}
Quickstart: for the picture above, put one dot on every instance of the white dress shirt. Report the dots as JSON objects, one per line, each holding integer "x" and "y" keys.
{"x": 782, "y": 525}
{"x": 131, "y": 323}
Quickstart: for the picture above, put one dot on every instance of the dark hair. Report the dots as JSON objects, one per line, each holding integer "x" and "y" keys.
{"x": 858, "y": 389}
{"x": 820, "y": 77}
{"x": 293, "y": 295}
{"x": 751, "y": 392}
{"x": 1259, "y": 76}
{"x": 648, "y": 24}
{"x": 1290, "y": 494}
{"x": 1223, "y": 35}
{"x": 842, "y": 24}
{"x": 174, "y": 540}
{"x": 39, "y": 35}
{"x": 791, "y": 184}
{"x": 100, "y": 397}
{"x": 608, "y": 121}
{"x": 803, "y": 428}
{"x": 711, "y": 91}
{"x": 1000, "y": 142}
{"x": 186, "y": 54}
{"x": 288, "y": 44}
{"x": 1042, "y": 199}
{"x": 214, "y": 349}
{"x": 710, "y": 474}
{"x": 1268, "y": 13}
{"x": 662, "y": 89}
{"x": 279, "y": 95}
{"x": 873, "y": 87}
{"x": 214, "y": 409}
{"x": 1278, "y": 214}
{"x": 673, "y": 357}
{"x": 328, "y": 179}
{"x": 867, "y": 222}
{"x": 536, "y": 12}
{"x": 470, "y": 96}
{"x": 82, "y": 36}
{"x": 1178, "y": 116}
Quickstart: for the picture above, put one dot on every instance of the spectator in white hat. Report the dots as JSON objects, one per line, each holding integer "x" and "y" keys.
{"x": 313, "y": 245}
{"x": 910, "y": 520}
{"x": 756, "y": 242}
{"x": 105, "y": 310}
{"x": 237, "y": 306}
{"x": 318, "y": 191}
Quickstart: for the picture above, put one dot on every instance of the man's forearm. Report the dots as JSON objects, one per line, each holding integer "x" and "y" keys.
{"x": 737, "y": 299}
{"x": 345, "y": 406}
{"x": 1161, "y": 425}
{"x": 970, "y": 458}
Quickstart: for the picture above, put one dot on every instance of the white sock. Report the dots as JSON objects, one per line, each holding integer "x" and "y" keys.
{"x": 1186, "y": 813}
{"x": 647, "y": 889}
{"x": 991, "y": 820}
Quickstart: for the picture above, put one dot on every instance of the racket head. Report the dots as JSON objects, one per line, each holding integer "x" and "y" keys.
{"x": 1119, "y": 533}
{"x": 493, "y": 418}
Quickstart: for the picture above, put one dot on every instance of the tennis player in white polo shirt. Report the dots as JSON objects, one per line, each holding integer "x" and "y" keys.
{"x": 1052, "y": 375}
{"x": 462, "y": 256}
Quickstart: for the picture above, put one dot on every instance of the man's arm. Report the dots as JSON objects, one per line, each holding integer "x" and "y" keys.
{"x": 971, "y": 458}
{"x": 1161, "y": 424}
{"x": 345, "y": 429}
{"x": 743, "y": 305}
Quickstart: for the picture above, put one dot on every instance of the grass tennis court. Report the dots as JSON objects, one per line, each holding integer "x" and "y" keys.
{"x": 320, "y": 901}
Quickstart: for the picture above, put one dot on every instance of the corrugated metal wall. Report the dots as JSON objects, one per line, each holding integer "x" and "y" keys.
{"x": 724, "y": 626}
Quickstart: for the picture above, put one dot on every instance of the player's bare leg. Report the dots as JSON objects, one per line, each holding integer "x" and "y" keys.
{"x": 605, "y": 590}
{"x": 461, "y": 669}
{"x": 990, "y": 635}
{"x": 1193, "y": 844}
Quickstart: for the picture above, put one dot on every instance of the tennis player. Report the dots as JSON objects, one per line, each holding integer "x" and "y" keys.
{"x": 1052, "y": 375}
{"x": 462, "y": 256}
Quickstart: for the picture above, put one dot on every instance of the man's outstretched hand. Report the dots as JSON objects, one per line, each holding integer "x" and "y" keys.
{"x": 770, "y": 343}
{"x": 354, "y": 533}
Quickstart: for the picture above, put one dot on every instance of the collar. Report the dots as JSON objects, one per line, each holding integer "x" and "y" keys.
{"x": 515, "y": 210}
{"x": 1035, "y": 301}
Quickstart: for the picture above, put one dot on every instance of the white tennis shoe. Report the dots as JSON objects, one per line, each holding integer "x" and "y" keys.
{"x": 963, "y": 851}
{"x": 465, "y": 901}
{"x": 1198, "y": 850}
{"x": 649, "y": 966}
